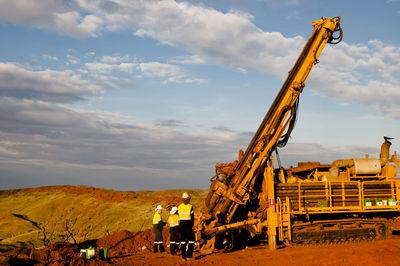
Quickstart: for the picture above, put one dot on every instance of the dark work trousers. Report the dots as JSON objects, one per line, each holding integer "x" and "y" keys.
{"x": 187, "y": 238}
{"x": 158, "y": 238}
{"x": 174, "y": 239}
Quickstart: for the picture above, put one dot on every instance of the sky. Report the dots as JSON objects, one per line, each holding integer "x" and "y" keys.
{"x": 143, "y": 94}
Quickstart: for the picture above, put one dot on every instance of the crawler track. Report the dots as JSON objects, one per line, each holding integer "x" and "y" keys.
{"x": 339, "y": 231}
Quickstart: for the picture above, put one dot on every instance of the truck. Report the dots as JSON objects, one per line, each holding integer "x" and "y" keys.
{"x": 249, "y": 199}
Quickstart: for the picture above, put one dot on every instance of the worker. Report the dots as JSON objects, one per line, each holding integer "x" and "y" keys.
{"x": 158, "y": 225}
{"x": 186, "y": 223}
{"x": 173, "y": 221}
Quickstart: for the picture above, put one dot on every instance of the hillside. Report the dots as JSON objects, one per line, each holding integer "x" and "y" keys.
{"x": 121, "y": 222}
{"x": 89, "y": 213}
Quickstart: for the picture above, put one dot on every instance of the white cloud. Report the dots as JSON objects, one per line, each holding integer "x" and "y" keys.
{"x": 73, "y": 59}
{"x": 49, "y": 57}
{"x": 48, "y": 85}
{"x": 62, "y": 16}
{"x": 189, "y": 60}
{"x": 114, "y": 59}
{"x": 109, "y": 65}
{"x": 230, "y": 39}
{"x": 109, "y": 68}
{"x": 368, "y": 74}
{"x": 72, "y": 23}
{"x": 226, "y": 38}
{"x": 171, "y": 73}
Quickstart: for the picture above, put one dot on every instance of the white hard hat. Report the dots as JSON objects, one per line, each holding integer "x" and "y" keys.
{"x": 185, "y": 195}
{"x": 159, "y": 207}
{"x": 173, "y": 210}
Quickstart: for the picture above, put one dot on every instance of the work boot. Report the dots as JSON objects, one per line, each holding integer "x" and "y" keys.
{"x": 161, "y": 248}
{"x": 172, "y": 249}
{"x": 155, "y": 248}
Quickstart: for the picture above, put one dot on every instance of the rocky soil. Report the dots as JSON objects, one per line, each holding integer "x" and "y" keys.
{"x": 135, "y": 248}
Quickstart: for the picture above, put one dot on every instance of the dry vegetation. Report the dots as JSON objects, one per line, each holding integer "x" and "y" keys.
{"x": 37, "y": 217}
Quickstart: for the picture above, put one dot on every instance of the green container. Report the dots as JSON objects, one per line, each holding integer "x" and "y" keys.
{"x": 392, "y": 202}
{"x": 90, "y": 253}
{"x": 378, "y": 202}
{"x": 103, "y": 253}
{"x": 322, "y": 203}
{"x": 367, "y": 203}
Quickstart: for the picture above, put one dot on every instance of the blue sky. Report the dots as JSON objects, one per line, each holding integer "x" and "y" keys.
{"x": 134, "y": 95}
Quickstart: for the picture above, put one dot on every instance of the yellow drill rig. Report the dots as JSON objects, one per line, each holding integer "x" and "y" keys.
{"x": 348, "y": 200}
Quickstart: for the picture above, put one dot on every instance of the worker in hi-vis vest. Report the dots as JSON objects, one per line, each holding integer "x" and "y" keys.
{"x": 186, "y": 222}
{"x": 173, "y": 221}
{"x": 158, "y": 225}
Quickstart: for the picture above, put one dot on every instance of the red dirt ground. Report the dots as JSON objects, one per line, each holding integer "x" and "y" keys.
{"x": 129, "y": 248}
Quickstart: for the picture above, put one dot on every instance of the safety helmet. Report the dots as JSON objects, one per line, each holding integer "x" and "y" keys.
{"x": 173, "y": 210}
{"x": 185, "y": 195}
{"x": 158, "y": 208}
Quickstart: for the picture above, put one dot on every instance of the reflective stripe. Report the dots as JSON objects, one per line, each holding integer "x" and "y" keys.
{"x": 173, "y": 220}
{"x": 158, "y": 242}
{"x": 172, "y": 242}
{"x": 191, "y": 242}
{"x": 174, "y": 225}
{"x": 185, "y": 211}
{"x": 156, "y": 218}
{"x": 183, "y": 242}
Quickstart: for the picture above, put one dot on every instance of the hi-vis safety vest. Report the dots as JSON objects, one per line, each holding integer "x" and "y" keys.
{"x": 185, "y": 211}
{"x": 156, "y": 218}
{"x": 173, "y": 220}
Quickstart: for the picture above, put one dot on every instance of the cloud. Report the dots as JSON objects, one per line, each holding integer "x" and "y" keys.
{"x": 48, "y": 135}
{"x": 223, "y": 129}
{"x": 170, "y": 123}
{"x": 104, "y": 68}
{"x": 225, "y": 38}
{"x": 83, "y": 80}
{"x": 47, "y": 85}
{"x": 230, "y": 39}
{"x": 315, "y": 152}
{"x": 35, "y": 131}
{"x": 350, "y": 72}
{"x": 170, "y": 73}
{"x": 55, "y": 139}
{"x": 368, "y": 74}
{"x": 189, "y": 60}
{"x": 114, "y": 59}
{"x": 59, "y": 15}
{"x": 73, "y": 59}
{"x": 49, "y": 57}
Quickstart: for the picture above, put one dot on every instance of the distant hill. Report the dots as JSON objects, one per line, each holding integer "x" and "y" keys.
{"x": 26, "y": 215}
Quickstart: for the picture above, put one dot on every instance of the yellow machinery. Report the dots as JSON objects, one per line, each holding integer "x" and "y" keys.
{"x": 348, "y": 200}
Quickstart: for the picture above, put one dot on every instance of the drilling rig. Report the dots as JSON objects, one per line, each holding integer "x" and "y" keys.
{"x": 348, "y": 200}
